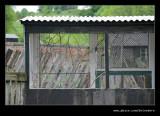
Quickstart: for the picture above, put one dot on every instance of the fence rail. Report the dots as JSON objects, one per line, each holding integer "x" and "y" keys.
{"x": 14, "y": 88}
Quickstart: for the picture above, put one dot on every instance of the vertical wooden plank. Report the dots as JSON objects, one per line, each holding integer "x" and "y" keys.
{"x": 98, "y": 97}
{"x": 76, "y": 97}
{"x": 10, "y": 95}
{"x": 19, "y": 89}
{"x": 88, "y": 97}
{"x": 121, "y": 97}
{"x": 22, "y": 92}
{"x": 92, "y": 58}
{"x": 6, "y": 93}
{"x": 25, "y": 63}
{"x": 34, "y": 60}
{"x": 152, "y": 57}
{"x": 107, "y": 59}
{"x": 109, "y": 97}
{"x": 149, "y": 96}
{"x": 16, "y": 93}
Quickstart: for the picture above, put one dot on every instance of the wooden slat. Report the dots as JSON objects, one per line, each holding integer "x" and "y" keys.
{"x": 14, "y": 90}
{"x": 92, "y": 58}
{"x": 15, "y": 77}
{"x": 8, "y": 55}
{"x": 34, "y": 60}
{"x": 22, "y": 93}
{"x": 6, "y": 93}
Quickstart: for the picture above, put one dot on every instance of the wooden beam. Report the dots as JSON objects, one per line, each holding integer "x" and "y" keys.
{"x": 34, "y": 60}
{"x": 107, "y": 59}
{"x": 152, "y": 57}
{"x": 92, "y": 29}
{"x": 92, "y": 58}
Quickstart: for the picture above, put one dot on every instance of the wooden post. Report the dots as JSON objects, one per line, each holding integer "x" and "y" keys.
{"x": 92, "y": 58}
{"x": 152, "y": 57}
{"x": 107, "y": 59}
{"x": 34, "y": 60}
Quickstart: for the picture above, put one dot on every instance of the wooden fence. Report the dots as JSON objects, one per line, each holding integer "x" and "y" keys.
{"x": 15, "y": 84}
{"x": 15, "y": 95}
{"x": 14, "y": 88}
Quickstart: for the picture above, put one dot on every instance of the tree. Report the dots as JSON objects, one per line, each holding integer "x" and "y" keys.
{"x": 24, "y": 12}
{"x": 45, "y": 10}
{"x": 128, "y": 10}
{"x": 10, "y": 18}
{"x": 12, "y": 25}
{"x": 55, "y": 9}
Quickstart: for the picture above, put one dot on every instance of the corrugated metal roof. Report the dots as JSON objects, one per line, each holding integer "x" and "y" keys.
{"x": 87, "y": 18}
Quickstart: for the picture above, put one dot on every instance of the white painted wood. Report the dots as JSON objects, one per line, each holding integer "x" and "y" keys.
{"x": 152, "y": 57}
{"x": 92, "y": 58}
{"x": 34, "y": 60}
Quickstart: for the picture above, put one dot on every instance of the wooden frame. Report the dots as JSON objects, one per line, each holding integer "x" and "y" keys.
{"x": 49, "y": 27}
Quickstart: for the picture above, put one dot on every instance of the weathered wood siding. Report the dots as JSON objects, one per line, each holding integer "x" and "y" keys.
{"x": 14, "y": 88}
{"x": 91, "y": 97}
{"x": 17, "y": 94}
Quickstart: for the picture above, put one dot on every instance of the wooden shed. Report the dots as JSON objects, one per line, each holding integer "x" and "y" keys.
{"x": 89, "y": 60}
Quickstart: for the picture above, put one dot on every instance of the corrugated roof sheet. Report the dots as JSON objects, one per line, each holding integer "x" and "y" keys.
{"x": 87, "y": 18}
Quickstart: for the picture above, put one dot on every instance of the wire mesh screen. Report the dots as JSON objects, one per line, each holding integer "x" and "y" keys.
{"x": 65, "y": 80}
{"x": 100, "y": 73}
{"x": 131, "y": 80}
{"x": 100, "y": 52}
{"x": 128, "y": 50}
{"x": 64, "y": 61}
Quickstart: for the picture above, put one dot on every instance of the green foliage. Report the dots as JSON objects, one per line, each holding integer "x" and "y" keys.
{"x": 12, "y": 24}
{"x": 66, "y": 39}
{"x": 10, "y": 18}
{"x": 128, "y": 10}
{"x": 24, "y": 12}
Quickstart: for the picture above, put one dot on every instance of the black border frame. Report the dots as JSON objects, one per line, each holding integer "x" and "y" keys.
{"x": 79, "y": 109}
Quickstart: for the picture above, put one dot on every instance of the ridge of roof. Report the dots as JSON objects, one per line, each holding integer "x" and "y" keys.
{"x": 87, "y": 18}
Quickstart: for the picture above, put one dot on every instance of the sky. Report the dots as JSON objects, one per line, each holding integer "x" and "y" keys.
{"x": 34, "y": 8}
{"x": 31, "y": 8}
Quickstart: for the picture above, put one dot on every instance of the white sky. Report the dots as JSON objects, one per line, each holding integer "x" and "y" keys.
{"x": 31, "y": 8}
{"x": 34, "y": 8}
{"x": 81, "y": 7}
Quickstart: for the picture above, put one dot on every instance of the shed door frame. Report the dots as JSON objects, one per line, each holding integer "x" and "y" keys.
{"x": 105, "y": 29}
{"x": 29, "y": 61}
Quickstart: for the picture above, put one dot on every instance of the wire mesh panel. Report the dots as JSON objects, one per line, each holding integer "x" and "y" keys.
{"x": 65, "y": 80}
{"x": 130, "y": 79}
{"x": 128, "y": 50}
{"x": 100, "y": 51}
{"x": 64, "y": 61}
{"x": 100, "y": 73}
{"x": 100, "y": 79}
